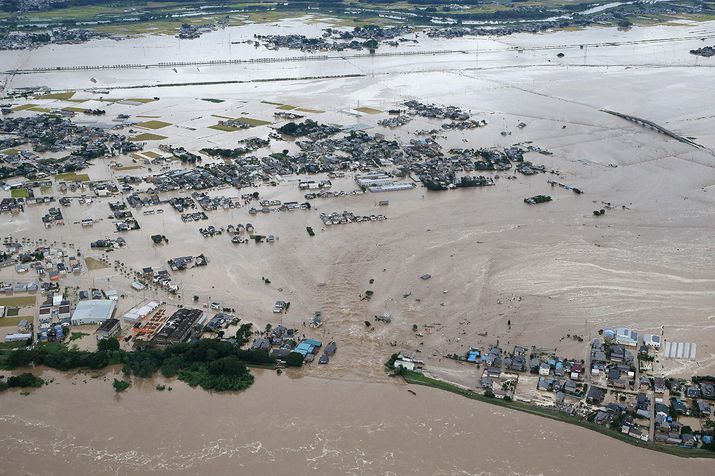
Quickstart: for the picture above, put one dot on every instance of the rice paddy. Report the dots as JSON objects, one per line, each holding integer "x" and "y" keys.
{"x": 60, "y": 95}
{"x": 72, "y": 177}
{"x": 94, "y": 263}
{"x": 252, "y": 122}
{"x": 368, "y": 110}
{"x": 24, "y": 107}
{"x": 305, "y": 109}
{"x": 221, "y": 127}
{"x": 146, "y": 136}
{"x": 13, "y": 321}
{"x": 18, "y": 301}
{"x": 154, "y": 124}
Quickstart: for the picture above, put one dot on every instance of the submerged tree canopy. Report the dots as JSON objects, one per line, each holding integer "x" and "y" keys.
{"x": 210, "y": 364}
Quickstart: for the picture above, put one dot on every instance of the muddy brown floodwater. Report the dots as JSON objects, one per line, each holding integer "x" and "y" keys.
{"x": 305, "y": 425}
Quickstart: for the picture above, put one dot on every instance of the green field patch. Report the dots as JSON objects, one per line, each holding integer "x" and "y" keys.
{"x": 65, "y": 95}
{"x": 151, "y": 155}
{"x": 94, "y": 263}
{"x": 19, "y": 193}
{"x": 73, "y": 109}
{"x": 72, "y": 177}
{"x": 220, "y": 127}
{"x": 286, "y": 107}
{"x": 39, "y": 109}
{"x": 136, "y": 156}
{"x": 10, "y": 151}
{"x": 13, "y": 321}
{"x": 252, "y": 122}
{"x": 149, "y": 117}
{"x": 141, "y": 100}
{"x": 273, "y": 103}
{"x": 24, "y": 107}
{"x": 147, "y": 136}
{"x": 305, "y": 109}
{"x": 368, "y": 110}
{"x": 19, "y": 301}
{"x": 128, "y": 167}
{"x": 154, "y": 124}
{"x": 212, "y": 100}
{"x": 78, "y": 101}
{"x": 46, "y": 190}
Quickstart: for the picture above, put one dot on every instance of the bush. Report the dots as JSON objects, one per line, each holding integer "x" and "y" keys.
{"x": 25, "y": 380}
{"x": 120, "y": 385}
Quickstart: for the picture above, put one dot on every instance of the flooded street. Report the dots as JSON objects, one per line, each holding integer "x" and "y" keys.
{"x": 298, "y": 426}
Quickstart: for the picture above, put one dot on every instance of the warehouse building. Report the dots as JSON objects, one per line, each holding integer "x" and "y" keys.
{"x": 94, "y": 311}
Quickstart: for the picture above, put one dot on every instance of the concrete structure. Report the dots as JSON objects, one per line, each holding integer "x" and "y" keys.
{"x": 107, "y": 329}
{"x": 178, "y": 327}
{"x": 93, "y": 311}
{"x": 140, "y": 311}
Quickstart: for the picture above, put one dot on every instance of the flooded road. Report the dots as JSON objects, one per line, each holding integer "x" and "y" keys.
{"x": 299, "y": 426}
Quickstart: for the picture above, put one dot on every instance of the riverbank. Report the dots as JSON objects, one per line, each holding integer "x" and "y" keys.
{"x": 417, "y": 378}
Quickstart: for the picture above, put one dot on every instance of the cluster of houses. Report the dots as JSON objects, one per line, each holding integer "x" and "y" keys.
{"x": 125, "y": 220}
{"x": 613, "y": 394}
{"x": 108, "y": 244}
{"x": 345, "y": 217}
{"x": 185, "y": 262}
{"x": 159, "y": 277}
{"x": 47, "y": 261}
{"x": 19, "y": 40}
{"x": 49, "y": 133}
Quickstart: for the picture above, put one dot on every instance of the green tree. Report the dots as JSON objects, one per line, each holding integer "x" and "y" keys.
{"x": 294, "y": 359}
{"x": 110, "y": 343}
{"x": 120, "y": 385}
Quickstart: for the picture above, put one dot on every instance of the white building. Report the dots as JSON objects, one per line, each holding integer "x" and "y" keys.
{"x": 20, "y": 337}
{"x": 94, "y": 311}
{"x": 140, "y": 311}
{"x": 625, "y": 336}
{"x": 652, "y": 341}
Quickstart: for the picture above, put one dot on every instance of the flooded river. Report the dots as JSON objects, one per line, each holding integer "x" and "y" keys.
{"x": 306, "y": 425}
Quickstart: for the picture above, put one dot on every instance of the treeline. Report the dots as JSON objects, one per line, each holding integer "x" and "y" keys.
{"x": 210, "y": 364}
{"x": 22, "y": 381}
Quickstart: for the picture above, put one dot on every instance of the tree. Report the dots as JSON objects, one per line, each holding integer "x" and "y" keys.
{"x": 120, "y": 385}
{"x": 111, "y": 343}
{"x": 25, "y": 380}
{"x": 227, "y": 366}
{"x": 294, "y": 359}
{"x": 243, "y": 333}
